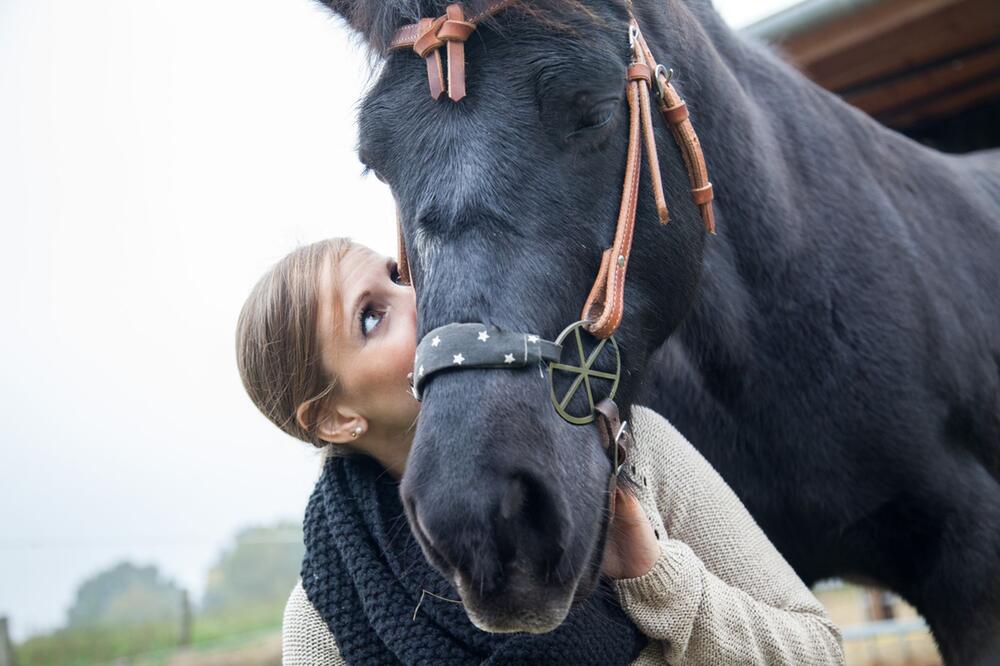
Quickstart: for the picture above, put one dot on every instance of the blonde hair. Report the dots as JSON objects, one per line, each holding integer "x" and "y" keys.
{"x": 277, "y": 346}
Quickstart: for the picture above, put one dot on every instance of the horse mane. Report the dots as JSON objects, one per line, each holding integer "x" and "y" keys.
{"x": 378, "y": 20}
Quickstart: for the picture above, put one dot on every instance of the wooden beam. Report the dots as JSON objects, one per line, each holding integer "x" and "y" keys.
{"x": 864, "y": 26}
{"x": 933, "y": 37}
{"x": 945, "y": 105}
{"x": 926, "y": 84}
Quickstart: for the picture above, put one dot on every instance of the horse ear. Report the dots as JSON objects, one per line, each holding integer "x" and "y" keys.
{"x": 358, "y": 14}
{"x": 340, "y": 7}
{"x": 374, "y": 20}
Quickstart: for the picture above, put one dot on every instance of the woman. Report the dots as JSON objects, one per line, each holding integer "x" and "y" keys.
{"x": 325, "y": 344}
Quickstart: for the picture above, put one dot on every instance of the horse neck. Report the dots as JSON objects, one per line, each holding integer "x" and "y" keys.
{"x": 767, "y": 133}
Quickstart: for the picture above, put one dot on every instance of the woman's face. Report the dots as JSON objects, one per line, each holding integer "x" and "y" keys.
{"x": 368, "y": 339}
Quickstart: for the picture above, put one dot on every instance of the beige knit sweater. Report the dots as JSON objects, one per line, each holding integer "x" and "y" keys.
{"x": 718, "y": 594}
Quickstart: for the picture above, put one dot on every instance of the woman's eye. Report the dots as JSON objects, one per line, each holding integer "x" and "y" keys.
{"x": 370, "y": 320}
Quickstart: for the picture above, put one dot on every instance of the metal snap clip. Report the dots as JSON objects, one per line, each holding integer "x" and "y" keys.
{"x": 668, "y": 75}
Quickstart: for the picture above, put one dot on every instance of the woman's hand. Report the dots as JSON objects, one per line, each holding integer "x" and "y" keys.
{"x": 632, "y": 547}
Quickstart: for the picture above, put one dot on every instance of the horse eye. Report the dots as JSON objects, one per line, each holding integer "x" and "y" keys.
{"x": 394, "y": 273}
{"x": 595, "y": 118}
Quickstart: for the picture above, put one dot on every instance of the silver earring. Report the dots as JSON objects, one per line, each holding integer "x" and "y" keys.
{"x": 356, "y": 432}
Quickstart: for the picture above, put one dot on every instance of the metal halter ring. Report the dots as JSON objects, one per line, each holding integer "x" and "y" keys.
{"x": 584, "y": 373}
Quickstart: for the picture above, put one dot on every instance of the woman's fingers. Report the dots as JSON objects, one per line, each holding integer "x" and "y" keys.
{"x": 628, "y": 511}
{"x": 632, "y": 546}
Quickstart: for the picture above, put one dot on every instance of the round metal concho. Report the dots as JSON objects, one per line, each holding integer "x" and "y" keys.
{"x": 571, "y": 340}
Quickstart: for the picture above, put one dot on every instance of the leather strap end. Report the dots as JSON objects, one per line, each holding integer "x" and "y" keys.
{"x": 456, "y": 71}
{"x": 708, "y": 215}
{"x": 664, "y": 214}
{"x": 454, "y": 31}
{"x": 659, "y": 197}
{"x": 703, "y": 196}
{"x": 435, "y": 74}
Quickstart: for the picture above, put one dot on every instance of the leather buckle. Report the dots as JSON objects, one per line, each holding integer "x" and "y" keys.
{"x": 616, "y": 441}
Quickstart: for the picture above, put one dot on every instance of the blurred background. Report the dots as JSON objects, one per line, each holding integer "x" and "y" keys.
{"x": 156, "y": 157}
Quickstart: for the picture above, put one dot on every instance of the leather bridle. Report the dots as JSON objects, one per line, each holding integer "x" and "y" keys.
{"x": 604, "y": 307}
{"x": 646, "y": 79}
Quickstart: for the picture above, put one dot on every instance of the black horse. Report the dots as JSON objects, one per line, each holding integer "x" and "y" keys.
{"x": 834, "y": 352}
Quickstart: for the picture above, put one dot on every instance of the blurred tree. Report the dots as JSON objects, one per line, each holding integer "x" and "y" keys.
{"x": 124, "y": 594}
{"x": 261, "y": 567}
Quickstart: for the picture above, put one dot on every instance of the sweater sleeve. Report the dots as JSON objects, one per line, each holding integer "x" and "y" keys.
{"x": 719, "y": 593}
{"x": 305, "y": 638}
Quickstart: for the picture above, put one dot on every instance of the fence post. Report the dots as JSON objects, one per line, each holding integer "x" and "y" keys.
{"x": 185, "y": 619}
{"x": 6, "y": 646}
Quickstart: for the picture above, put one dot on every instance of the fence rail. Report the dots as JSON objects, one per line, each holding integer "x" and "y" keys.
{"x": 871, "y": 630}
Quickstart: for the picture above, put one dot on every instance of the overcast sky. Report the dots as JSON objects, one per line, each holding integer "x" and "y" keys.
{"x": 156, "y": 156}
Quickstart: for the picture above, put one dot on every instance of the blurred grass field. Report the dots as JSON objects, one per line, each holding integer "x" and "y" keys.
{"x": 249, "y": 635}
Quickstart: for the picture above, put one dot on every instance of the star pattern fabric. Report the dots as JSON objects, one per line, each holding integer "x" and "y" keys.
{"x": 461, "y": 346}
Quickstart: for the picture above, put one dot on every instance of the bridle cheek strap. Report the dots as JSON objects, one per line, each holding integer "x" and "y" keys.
{"x": 675, "y": 112}
{"x": 605, "y": 304}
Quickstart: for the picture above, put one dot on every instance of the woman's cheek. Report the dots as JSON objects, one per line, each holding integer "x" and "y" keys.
{"x": 406, "y": 350}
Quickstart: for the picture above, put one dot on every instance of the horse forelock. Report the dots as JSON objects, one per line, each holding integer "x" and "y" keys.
{"x": 378, "y": 20}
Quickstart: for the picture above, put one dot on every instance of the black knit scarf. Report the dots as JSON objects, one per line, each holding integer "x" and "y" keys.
{"x": 365, "y": 574}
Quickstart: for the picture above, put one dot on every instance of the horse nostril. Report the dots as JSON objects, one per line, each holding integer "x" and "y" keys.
{"x": 530, "y": 521}
{"x": 423, "y": 537}
{"x": 511, "y": 505}
{"x": 513, "y": 499}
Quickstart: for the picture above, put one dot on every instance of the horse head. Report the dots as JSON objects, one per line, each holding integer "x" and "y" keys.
{"x": 507, "y": 199}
